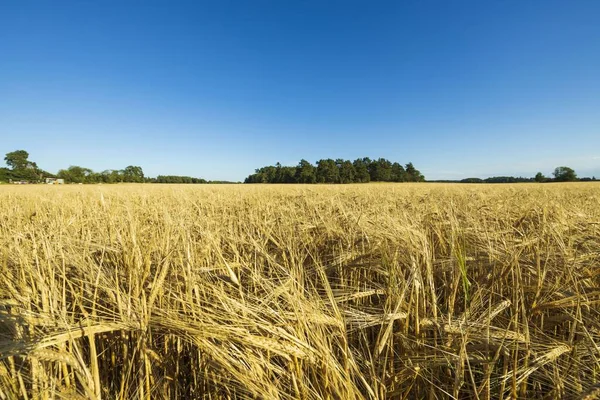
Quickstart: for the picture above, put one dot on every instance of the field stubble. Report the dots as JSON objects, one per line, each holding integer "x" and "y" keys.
{"x": 300, "y": 292}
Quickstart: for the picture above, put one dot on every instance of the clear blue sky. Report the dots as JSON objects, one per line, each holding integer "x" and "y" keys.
{"x": 216, "y": 89}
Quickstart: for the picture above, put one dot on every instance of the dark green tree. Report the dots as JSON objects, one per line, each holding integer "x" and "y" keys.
{"x": 472, "y": 180}
{"x": 113, "y": 176}
{"x": 361, "y": 170}
{"x": 21, "y": 168}
{"x": 380, "y": 170}
{"x": 278, "y": 173}
{"x": 564, "y": 174}
{"x": 398, "y": 173}
{"x": 17, "y": 160}
{"x": 75, "y": 174}
{"x": 5, "y": 175}
{"x": 413, "y": 174}
{"x": 347, "y": 172}
{"x": 266, "y": 174}
{"x": 287, "y": 175}
{"x": 539, "y": 177}
{"x": 372, "y": 166}
{"x": 133, "y": 173}
{"x": 327, "y": 171}
{"x": 305, "y": 172}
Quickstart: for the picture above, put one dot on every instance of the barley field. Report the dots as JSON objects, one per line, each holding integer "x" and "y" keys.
{"x": 373, "y": 291}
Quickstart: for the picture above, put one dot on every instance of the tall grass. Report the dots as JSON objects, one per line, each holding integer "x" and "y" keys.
{"x": 300, "y": 292}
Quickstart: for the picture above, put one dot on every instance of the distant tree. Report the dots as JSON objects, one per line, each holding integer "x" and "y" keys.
{"x": 269, "y": 174}
{"x": 219, "y": 182}
{"x": 384, "y": 170}
{"x": 539, "y": 177}
{"x": 176, "y": 179}
{"x": 75, "y": 174}
{"x": 507, "y": 179}
{"x": 21, "y": 168}
{"x": 277, "y": 178}
{"x": 133, "y": 174}
{"x": 347, "y": 173}
{"x": 373, "y": 167}
{"x": 380, "y": 170}
{"x": 327, "y": 171}
{"x": 410, "y": 172}
{"x": 414, "y": 175}
{"x": 266, "y": 174}
{"x": 361, "y": 170}
{"x": 287, "y": 175}
{"x": 472, "y": 180}
{"x": 564, "y": 174}
{"x": 5, "y": 175}
{"x": 398, "y": 173}
{"x": 107, "y": 176}
{"x": 17, "y": 160}
{"x": 114, "y": 176}
{"x": 252, "y": 178}
{"x": 305, "y": 172}
{"x": 30, "y": 174}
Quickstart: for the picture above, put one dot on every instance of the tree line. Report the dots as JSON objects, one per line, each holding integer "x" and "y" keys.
{"x": 21, "y": 169}
{"x": 77, "y": 174}
{"x": 361, "y": 170}
{"x": 560, "y": 174}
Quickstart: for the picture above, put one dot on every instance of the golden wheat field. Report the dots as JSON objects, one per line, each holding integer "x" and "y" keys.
{"x": 374, "y": 291}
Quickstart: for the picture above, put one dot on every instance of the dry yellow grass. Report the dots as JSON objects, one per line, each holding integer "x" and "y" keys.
{"x": 300, "y": 292}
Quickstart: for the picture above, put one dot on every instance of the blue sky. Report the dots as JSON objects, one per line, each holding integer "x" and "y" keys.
{"x": 216, "y": 89}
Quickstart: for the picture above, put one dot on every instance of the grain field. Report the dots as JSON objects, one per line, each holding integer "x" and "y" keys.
{"x": 373, "y": 291}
